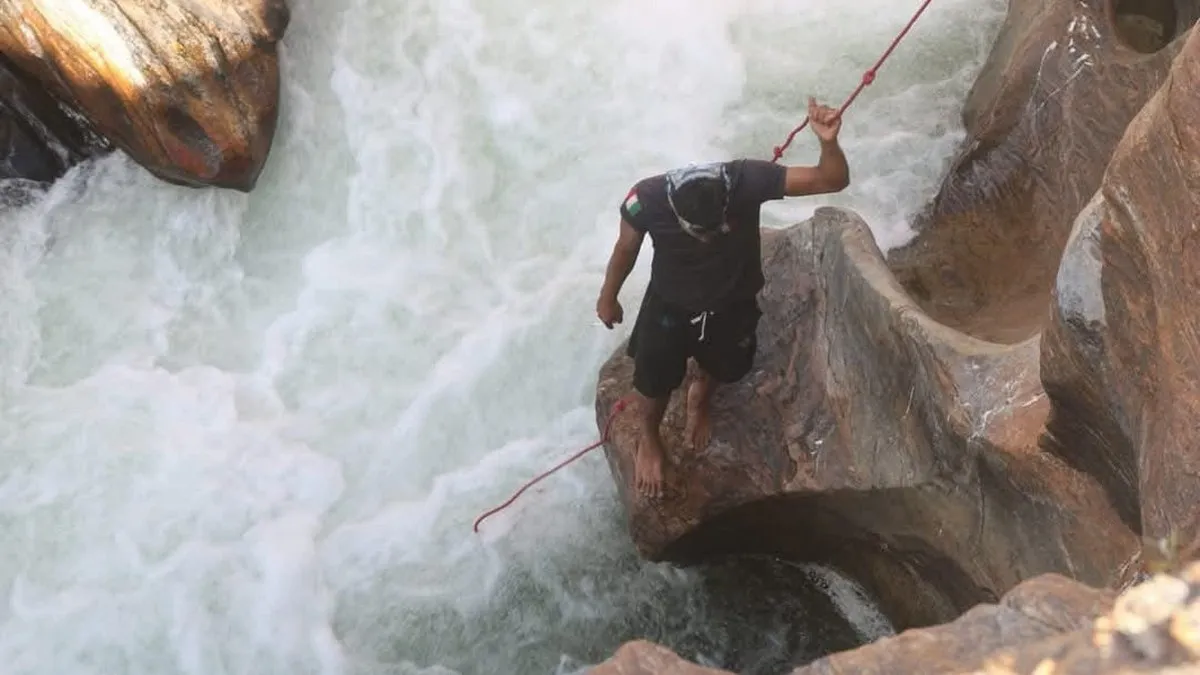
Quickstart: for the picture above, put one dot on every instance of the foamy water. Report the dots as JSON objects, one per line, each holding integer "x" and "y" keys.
{"x": 249, "y": 434}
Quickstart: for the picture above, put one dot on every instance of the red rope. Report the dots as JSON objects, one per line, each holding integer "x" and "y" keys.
{"x": 612, "y": 416}
{"x": 867, "y": 78}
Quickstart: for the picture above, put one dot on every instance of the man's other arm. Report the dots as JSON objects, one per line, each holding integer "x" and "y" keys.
{"x": 620, "y": 264}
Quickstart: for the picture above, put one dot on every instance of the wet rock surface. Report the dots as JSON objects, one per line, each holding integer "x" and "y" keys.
{"x": 189, "y": 89}
{"x": 39, "y": 139}
{"x": 1048, "y": 625}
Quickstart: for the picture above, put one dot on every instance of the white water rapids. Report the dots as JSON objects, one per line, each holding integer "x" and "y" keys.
{"x": 250, "y": 433}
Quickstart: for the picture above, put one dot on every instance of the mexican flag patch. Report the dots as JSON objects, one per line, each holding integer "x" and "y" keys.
{"x": 632, "y": 205}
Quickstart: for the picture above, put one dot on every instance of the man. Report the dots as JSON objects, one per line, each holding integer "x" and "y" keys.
{"x": 701, "y": 302}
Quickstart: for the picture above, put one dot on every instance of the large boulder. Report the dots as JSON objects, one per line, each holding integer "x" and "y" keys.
{"x": 1121, "y": 353}
{"x": 188, "y": 88}
{"x": 1048, "y": 625}
{"x": 871, "y": 438}
{"x": 1063, "y": 80}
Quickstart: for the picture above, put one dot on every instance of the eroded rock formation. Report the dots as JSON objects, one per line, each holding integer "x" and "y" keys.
{"x": 188, "y": 88}
{"x": 1121, "y": 354}
{"x": 989, "y": 408}
{"x": 874, "y": 439}
{"x": 1048, "y": 625}
{"x": 1042, "y": 120}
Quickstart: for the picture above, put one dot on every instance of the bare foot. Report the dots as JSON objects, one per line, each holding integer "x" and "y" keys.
{"x": 699, "y": 426}
{"x": 648, "y": 466}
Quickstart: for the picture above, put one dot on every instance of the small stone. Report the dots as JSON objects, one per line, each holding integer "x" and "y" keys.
{"x": 1150, "y": 604}
{"x": 1191, "y": 574}
{"x": 1185, "y": 628}
{"x": 998, "y": 665}
{"x": 1102, "y": 634}
{"x": 1140, "y": 614}
{"x": 1046, "y": 667}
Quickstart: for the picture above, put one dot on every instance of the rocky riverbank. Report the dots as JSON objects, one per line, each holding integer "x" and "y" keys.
{"x": 1009, "y": 396}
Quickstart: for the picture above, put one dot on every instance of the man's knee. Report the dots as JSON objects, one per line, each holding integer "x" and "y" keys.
{"x": 732, "y": 363}
{"x": 730, "y": 356}
{"x": 657, "y": 378}
{"x": 660, "y": 352}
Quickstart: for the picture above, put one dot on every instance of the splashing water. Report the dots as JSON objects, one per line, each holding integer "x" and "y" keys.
{"x": 249, "y": 433}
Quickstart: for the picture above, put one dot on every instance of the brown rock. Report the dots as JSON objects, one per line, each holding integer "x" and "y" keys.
{"x": 1042, "y": 120}
{"x": 1134, "y": 636}
{"x": 646, "y": 658}
{"x": 1185, "y": 629}
{"x": 1121, "y": 354}
{"x": 1142, "y": 613}
{"x": 1048, "y": 625}
{"x": 874, "y": 439}
{"x": 1044, "y": 607}
{"x": 188, "y": 88}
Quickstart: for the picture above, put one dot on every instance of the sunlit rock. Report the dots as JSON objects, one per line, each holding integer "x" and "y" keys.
{"x": 188, "y": 88}
{"x": 1063, "y": 80}
{"x": 1121, "y": 352}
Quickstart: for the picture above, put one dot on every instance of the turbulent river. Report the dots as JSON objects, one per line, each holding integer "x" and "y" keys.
{"x": 250, "y": 433}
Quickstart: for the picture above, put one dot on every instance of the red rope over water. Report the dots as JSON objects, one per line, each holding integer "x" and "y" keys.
{"x": 867, "y": 78}
{"x": 612, "y": 416}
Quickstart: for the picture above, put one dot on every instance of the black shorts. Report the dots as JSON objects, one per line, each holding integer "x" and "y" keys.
{"x": 664, "y": 337}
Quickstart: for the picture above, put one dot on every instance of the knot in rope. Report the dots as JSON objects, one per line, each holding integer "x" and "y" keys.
{"x": 867, "y": 78}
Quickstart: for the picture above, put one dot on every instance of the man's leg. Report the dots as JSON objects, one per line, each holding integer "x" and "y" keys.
{"x": 723, "y": 357}
{"x": 699, "y": 405}
{"x": 660, "y": 362}
{"x": 651, "y": 454}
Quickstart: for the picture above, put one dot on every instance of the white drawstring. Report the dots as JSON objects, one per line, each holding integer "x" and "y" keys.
{"x": 702, "y": 319}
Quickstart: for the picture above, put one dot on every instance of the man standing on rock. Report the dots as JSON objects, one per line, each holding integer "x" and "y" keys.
{"x": 701, "y": 302}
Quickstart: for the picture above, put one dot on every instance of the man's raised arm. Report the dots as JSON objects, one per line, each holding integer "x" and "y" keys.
{"x": 832, "y": 173}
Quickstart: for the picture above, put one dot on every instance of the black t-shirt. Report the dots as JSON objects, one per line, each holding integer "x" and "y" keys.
{"x": 698, "y": 276}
